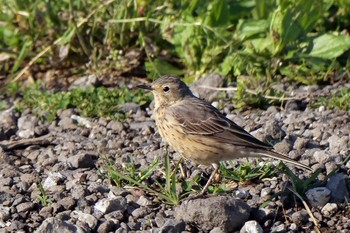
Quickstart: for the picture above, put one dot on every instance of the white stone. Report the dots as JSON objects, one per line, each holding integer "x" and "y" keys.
{"x": 251, "y": 227}
{"x": 329, "y": 209}
{"x": 241, "y": 194}
{"x": 52, "y": 180}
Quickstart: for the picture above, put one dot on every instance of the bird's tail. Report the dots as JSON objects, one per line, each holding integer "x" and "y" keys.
{"x": 274, "y": 155}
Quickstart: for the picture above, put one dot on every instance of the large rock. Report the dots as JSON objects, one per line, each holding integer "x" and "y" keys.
{"x": 55, "y": 225}
{"x": 339, "y": 185}
{"x": 318, "y": 196}
{"x": 204, "y": 87}
{"x": 108, "y": 205}
{"x": 82, "y": 160}
{"x": 8, "y": 124}
{"x": 227, "y": 213}
{"x": 26, "y": 125}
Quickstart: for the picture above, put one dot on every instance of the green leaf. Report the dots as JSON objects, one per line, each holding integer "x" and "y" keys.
{"x": 261, "y": 44}
{"x": 218, "y": 13}
{"x": 67, "y": 36}
{"x": 329, "y": 46}
{"x": 249, "y": 28}
{"x": 293, "y": 20}
{"x": 26, "y": 48}
{"x": 284, "y": 28}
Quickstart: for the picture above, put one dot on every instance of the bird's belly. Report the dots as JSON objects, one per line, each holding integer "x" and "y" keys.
{"x": 194, "y": 147}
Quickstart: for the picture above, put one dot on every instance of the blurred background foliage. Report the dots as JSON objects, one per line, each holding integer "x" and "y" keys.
{"x": 255, "y": 43}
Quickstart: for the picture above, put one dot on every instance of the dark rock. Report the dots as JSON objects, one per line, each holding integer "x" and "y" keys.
{"x": 98, "y": 188}
{"x": 283, "y": 147}
{"x": 226, "y": 212}
{"x": 46, "y": 211}
{"x": 300, "y": 217}
{"x": 300, "y": 143}
{"x": 115, "y": 215}
{"x": 4, "y": 213}
{"x": 41, "y": 130}
{"x": 278, "y": 227}
{"x": 26, "y": 206}
{"x": 68, "y": 203}
{"x": 295, "y": 105}
{"x": 64, "y": 215}
{"x": 82, "y": 160}
{"x": 115, "y": 126}
{"x": 107, "y": 226}
{"x": 274, "y": 130}
{"x": 173, "y": 226}
{"x": 139, "y": 212}
{"x": 339, "y": 184}
{"x": 123, "y": 228}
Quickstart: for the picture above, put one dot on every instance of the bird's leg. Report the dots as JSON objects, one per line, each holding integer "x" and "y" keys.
{"x": 166, "y": 148}
{"x": 216, "y": 168}
{"x": 182, "y": 169}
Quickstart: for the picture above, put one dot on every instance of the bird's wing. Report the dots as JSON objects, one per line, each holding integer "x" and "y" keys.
{"x": 198, "y": 117}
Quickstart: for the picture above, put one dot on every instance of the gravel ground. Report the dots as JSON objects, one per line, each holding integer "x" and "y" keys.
{"x": 67, "y": 156}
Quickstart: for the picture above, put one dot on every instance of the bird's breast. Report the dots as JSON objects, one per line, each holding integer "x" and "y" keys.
{"x": 198, "y": 148}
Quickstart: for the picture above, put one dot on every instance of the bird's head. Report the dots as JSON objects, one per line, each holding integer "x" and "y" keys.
{"x": 167, "y": 90}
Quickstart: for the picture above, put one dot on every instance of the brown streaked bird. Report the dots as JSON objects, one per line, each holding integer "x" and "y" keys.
{"x": 200, "y": 132}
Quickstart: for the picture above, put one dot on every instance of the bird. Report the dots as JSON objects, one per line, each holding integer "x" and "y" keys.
{"x": 198, "y": 131}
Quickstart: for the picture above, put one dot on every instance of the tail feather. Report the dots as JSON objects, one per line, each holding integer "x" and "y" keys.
{"x": 275, "y": 155}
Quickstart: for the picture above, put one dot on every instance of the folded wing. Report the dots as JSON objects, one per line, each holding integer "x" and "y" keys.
{"x": 203, "y": 119}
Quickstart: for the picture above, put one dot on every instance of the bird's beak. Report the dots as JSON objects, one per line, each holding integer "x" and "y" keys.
{"x": 146, "y": 86}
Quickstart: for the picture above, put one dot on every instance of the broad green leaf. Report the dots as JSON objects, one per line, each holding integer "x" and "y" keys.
{"x": 248, "y": 28}
{"x": 330, "y": 46}
{"x": 284, "y": 28}
{"x": 261, "y": 44}
{"x": 293, "y": 20}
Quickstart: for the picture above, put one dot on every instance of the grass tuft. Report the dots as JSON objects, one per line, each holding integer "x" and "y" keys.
{"x": 90, "y": 102}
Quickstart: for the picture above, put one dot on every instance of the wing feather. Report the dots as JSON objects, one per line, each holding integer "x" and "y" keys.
{"x": 197, "y": 117}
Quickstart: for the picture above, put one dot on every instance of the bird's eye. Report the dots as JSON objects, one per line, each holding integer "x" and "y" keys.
{"x": 166, "y": 89}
